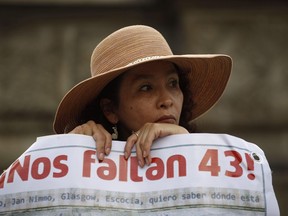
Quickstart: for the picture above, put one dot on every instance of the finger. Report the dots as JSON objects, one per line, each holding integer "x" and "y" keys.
{"x": 129, "y": 145}
{"x": 82, "y": 129}
{"x": 149, "y": 133}
{"x": 148, "y": 160}
{"x": 101, "y": 136}
{"x": 108, "y": 140}
{"x": 145, "y": 148}
{"x": 139, "y": 156}
{"x": 146, "y": 139}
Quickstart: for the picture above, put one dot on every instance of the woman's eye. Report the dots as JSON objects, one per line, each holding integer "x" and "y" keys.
{"x": 174, "y": 83}
{"x": 145, "y": 87}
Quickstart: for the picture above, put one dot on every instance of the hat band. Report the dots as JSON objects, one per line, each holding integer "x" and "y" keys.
{"x": 144, "y": 59}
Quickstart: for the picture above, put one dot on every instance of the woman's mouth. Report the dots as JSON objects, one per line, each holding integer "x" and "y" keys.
{"x": 166, "y": 119}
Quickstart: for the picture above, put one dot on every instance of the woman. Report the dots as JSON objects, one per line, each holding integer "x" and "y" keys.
{"x": 139, "y": 91}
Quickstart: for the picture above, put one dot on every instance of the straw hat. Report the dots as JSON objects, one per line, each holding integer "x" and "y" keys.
{"x": 135, "y": 45}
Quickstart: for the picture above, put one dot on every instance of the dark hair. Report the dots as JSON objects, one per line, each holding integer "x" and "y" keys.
{"x": 188, "y": 103}
{"x": 94, "y": 112}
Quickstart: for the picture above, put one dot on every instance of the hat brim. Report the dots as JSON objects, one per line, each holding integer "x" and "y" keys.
{"x": 208, "y": 76}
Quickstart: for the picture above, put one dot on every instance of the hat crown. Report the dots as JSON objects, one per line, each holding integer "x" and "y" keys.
{"x": 128, "y": 45}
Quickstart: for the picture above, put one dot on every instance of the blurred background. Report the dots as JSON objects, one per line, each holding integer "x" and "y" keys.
{"x": 45, "y": 49}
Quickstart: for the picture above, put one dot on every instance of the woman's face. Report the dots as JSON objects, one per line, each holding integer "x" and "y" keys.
{"x": 149, "y": 93}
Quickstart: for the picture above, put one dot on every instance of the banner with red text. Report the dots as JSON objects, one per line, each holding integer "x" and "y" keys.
{"x": 203, "y": 174}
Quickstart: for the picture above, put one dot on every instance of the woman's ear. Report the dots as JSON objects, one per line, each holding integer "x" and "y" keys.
{"x": 108, "y": 109}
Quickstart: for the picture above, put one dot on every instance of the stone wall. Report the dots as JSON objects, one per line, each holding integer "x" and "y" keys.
{"x": 45, "y": 49}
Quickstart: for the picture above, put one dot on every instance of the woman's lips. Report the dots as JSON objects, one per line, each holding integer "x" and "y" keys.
{"x": 167, "y": 119}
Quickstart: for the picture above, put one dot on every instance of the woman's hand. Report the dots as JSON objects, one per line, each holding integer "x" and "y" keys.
{"x": 144, "y": 138}
{"x": 100, "y": 135}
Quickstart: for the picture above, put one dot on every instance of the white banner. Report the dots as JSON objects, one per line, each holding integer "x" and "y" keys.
{"x": 203, "y": 174}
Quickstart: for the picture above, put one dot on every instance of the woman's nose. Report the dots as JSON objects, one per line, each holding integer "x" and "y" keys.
{"x": 165, "y": 100}
{"x": 166, "y": 104}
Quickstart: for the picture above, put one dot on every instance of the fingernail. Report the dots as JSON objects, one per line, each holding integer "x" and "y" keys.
{"x": 144, "y": 154}
{"x": 147, "y": 161}
{"x": 140, "y": 163}
{"x": 126, "y": 155}
{"x": 107, "y": 151}
{"x": 101, "y": 156}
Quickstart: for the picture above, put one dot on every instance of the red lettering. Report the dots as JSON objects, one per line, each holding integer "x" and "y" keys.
{"x": 87, "y": 160}
{"x": 2, "y": 179}
{"x": 155, "y": 172}
{"x": 108, "y": 169}
{"x": 181, "y": 165}
{"x": 107, "y": 172}
{"x": 235, "y": 163}
{"x": 134, "y": 170}
{"x": 22, "y": 171}
{"x": 123, "y": 168}
{"x": 212, "y": 156}
{"x": 60, "y": 166}
{"x": 46, "y": 168}
{"x": 40, "y": 169}
{"x": 250, "y": 165}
